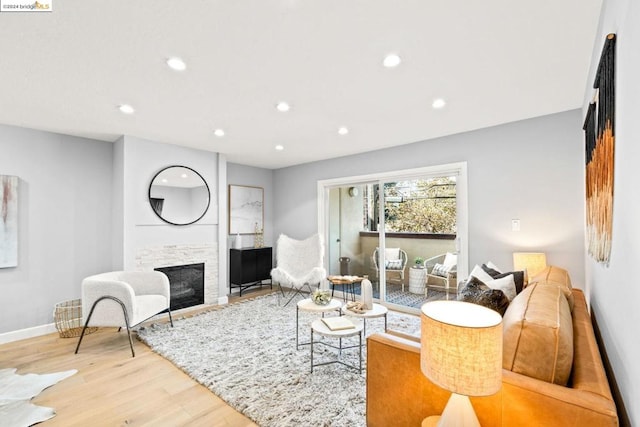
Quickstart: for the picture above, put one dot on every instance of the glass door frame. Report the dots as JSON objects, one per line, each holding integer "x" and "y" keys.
{"x": 462, "y": 220}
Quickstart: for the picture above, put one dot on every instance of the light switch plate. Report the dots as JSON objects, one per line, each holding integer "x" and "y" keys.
{"x": 515, "y": 225}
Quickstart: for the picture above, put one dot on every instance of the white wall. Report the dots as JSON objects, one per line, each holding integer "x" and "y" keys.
{"x": 255, "y": 177}
{"x": 64, "y": 219}
{"x": 613, "y": 290}
{"x": 530, "y": 170}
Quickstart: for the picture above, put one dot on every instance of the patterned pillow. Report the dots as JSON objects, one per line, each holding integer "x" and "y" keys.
{"x": 441, "y": 270}
{"x": 477, "y": 292}
{"x": 393, "y": 264}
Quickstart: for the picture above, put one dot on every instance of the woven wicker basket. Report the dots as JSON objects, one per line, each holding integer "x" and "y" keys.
{"x": 68, "y": 319}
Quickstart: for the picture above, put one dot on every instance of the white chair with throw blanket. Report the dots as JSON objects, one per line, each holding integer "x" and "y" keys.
{"x": 395, "y": 262}
{"x": 299, "y": 264}
{"x": 441, "y": 272}
{"x": 123, "y": 299}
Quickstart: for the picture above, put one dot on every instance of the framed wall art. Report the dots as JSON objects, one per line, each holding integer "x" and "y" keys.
{"x": 8, "y": 221}
{"x": 246, "y": 209}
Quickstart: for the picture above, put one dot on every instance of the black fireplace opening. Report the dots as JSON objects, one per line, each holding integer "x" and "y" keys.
{"x": 186, "y": 283}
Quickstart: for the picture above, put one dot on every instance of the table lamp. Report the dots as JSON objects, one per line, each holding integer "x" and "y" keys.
{"x": 461, "y": 351}
{"x": 531, "y": 263}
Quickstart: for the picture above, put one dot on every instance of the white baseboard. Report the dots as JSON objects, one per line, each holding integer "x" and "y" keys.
{"x": 37, "y": 331}
{"x": 23, "y": 334}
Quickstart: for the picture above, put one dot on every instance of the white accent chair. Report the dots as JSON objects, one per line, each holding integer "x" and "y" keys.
{"x": 299, "y": 264}
{"x": 124, "y": 299}
{"x": 395, "y": 262}
{"x": 447, "y": 280}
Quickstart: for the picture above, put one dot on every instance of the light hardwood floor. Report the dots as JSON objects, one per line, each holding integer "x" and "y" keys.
{"x": 112, "y": 388}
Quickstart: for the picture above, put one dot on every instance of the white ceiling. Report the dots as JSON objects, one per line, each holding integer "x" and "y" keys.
{"x": 493, "y": 61}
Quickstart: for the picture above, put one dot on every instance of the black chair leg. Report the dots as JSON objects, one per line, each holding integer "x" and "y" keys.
{"x": 133, "y": 353}
{"x": 296, "y": 292}
{"x": 126, "y": 320}
{"x": 170, "y": 318}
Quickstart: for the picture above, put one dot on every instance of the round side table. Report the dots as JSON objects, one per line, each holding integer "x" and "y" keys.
{"x": 378, "y": 310}
{"x": 319, "y": 327}
{"x": 308, "y": 305}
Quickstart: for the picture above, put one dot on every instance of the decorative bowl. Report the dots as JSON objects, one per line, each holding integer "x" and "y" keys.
{"x": 321, "y": 296}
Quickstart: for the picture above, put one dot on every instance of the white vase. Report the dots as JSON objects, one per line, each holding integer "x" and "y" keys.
{"x": 367, "y": 294}
{"x": 237, "y": 244}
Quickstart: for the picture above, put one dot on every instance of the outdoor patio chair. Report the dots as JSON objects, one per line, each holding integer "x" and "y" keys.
{"x": 441, "y": 272}
{"x": 395, "y": 260}
{"x": 299, "y": 264}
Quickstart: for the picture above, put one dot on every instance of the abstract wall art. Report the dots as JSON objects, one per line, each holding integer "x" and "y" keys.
{"x": 599, "y": 129}
{"x": 245, "y": 209}
{"x": 8, "y": 221}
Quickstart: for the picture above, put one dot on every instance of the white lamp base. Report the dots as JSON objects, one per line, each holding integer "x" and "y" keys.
{"x": 458, "y": 413}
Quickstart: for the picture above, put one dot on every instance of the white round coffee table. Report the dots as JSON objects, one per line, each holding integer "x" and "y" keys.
{"x": 319, "y": 327}
{"x": 378, "y": 310}
{"x": 308, "y": 305}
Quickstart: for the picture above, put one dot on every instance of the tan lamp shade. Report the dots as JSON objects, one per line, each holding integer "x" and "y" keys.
{"x": 531, "y": 262}
{"x": 462, "y": 347}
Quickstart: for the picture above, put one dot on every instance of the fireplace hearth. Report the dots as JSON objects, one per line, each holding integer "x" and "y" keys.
{"x": 186, "y": 283}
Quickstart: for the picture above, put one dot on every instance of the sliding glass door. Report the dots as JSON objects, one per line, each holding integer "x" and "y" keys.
{"x": 420, "y": 223}
{"x": 385, "y": 227}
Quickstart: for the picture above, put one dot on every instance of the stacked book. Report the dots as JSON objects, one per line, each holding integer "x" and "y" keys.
{"x": 338, "y": 323}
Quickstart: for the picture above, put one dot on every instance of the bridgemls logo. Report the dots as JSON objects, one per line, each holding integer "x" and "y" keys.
{"x": 26, "y": 6}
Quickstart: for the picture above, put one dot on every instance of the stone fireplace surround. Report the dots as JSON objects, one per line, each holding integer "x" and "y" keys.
{"x": 149, "y": 258}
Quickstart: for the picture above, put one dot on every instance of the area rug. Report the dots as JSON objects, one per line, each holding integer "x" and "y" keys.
{"x": 17, "y": 390}
{"x": 246, "y": 354}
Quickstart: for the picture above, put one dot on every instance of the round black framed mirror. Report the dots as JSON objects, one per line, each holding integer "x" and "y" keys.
{"x": 179, "y": 195}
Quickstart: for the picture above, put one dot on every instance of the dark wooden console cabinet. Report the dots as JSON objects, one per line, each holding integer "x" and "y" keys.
{"x": 249, "y": 267}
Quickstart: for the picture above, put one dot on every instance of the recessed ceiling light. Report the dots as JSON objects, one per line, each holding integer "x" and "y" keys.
{"x": 279, "y": 147}
{"x": 164, "y": 180}
{"x": 219, "y": 133}
{"x": 126, "y": 109}
{"x": 438, "y": 103}
{"x": 176, "y": 63}
{"x": 392, "y": 60}
{"x": 184, "y": 175}
{"x": 343, "y": 130}
{"x": 283, "y": 107}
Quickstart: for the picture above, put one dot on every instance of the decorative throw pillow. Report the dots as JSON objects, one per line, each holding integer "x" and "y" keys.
{"x": 477, "y": 292}
{"x": 505, "y": 284}
{"x": 518, "y": 279}
{"x": 441, "y": 270}
{"x": 490, "y": 271}
{"x": 391, "y": 254}
{"x": 479, "y": 273}
{"x": 518, "y": 276}
{"x": 393, "y": 264}
{"x": 450, "y": 260}
{"x": 493, "y": 266}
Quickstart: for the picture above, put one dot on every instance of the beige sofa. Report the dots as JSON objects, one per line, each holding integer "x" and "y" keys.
{"x": 547, "y": 343}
